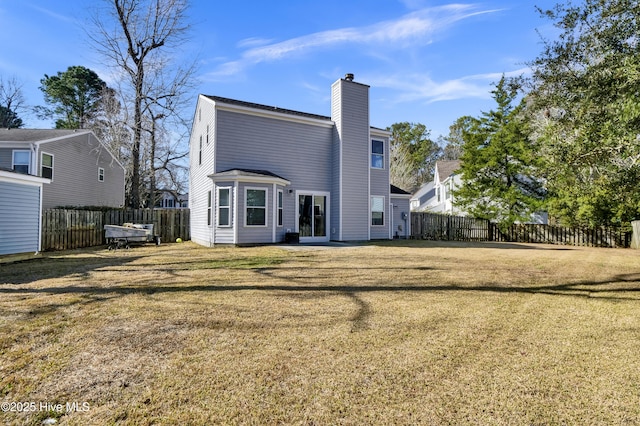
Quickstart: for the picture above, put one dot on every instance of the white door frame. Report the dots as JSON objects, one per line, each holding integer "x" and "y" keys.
{"x": 327, "y": 197}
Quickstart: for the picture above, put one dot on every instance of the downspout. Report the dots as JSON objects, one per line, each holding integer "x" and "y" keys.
{"x": 35, "y": 148}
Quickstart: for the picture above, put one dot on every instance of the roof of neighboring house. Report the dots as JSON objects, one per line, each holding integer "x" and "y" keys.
{"x": 396, "y": 190}
{"x": 247, "y": 173}
{"x": 36, "y": 135}
{"x": 424, "y": 189}
{"x": 266, "y": 107}
{"x": 447, "y": 168}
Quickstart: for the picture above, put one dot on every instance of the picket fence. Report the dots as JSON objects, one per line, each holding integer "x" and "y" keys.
{"x": 430, "y": 226}
{"x": 64, "y": 229}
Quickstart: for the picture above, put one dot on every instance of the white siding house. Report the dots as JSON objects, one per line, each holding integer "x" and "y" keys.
{"x": 437, "y": 196}
{"x": 259, "y": 173}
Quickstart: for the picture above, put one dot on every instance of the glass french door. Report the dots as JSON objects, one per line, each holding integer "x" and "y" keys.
{"x": 312, "y": 217}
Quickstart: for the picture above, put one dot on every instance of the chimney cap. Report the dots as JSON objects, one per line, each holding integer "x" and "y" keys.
{"x": 348, "y": 77}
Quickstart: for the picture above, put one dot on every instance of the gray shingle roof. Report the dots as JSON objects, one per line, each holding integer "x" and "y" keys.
{"x": 266, "y": 107}
{"x": 447, "y": 168}
{"x": 35, "y": 135}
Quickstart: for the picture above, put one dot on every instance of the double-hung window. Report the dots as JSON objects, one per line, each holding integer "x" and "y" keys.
{"x": 280, "y": 208}
{"x": 21, "y": 161}
{"x": 256, "y": 207}
{"x": 377, "y": 211}
{"x": 377, "y": 154}
{"x": 224, "y": 207}
{"x": 209, "y": 208}
{"x": 46, "y": 166}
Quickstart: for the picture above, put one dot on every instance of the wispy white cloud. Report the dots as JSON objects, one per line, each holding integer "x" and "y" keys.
{"x": 54, "y": 15}
{"x": 415, "y": 28}
{"x": 421, "y": 88}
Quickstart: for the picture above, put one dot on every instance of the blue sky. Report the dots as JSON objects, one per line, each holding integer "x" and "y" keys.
{"x": 426, "y": 61}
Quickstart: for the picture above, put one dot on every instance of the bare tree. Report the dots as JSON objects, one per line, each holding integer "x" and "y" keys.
{"x": 138, "y": 37}
{"x": 12, "y": 102}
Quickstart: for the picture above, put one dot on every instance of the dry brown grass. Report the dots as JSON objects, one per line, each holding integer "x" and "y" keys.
{"x": 390, "y": 333}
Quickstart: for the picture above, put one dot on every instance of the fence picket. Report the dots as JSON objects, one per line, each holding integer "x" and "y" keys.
{"x": 68, "y": 229}
{"x": 431, "y": 226}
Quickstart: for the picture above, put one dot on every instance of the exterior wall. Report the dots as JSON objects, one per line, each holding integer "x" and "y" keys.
{"x": 75, "y": 174}
{"x": 20, "y": 218}
{"x": 225, "y": 234}
{"x": 300, "y": 153}
{"x": 350, "y": 112}
{"x": 6, "y": 157}
{"x": 401, "y": 228}
{"x": 254, "y": 234}
{"x": 379, "y": 184}
{"x": 199, "y": 182}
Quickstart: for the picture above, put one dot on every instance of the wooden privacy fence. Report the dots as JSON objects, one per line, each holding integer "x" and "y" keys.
{"x": 430, "y": 226}
{"x": 64, "y": 229}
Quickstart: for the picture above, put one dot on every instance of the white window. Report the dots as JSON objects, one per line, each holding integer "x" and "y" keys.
{"x": 256, "y": 207}
{"x": 377, "y": 211}
{"x": 280, "y": 208}
{"x": 208, "y": 208}
{"x": 200, "y": 151}
{"x": 377, "y": 154}
{"x": 46, "y": 165}
{"x": 21, "y": 161}
{"x": 100, "y": 174}
{"x": 224, "y": 207}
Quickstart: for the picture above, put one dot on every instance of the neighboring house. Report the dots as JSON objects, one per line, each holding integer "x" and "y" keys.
{"x": 437, "y": 196}
{"x": 258, "y": 173}
{"x": 170, "y": 199}
{"x": 400, "y": 220}
{"x": 81, "y": 170}
{"x": 20, "y": 212}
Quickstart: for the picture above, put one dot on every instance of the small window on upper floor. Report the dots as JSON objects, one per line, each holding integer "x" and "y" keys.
{"x": 21, "y": 161}
{"x": 100, "y": 174}
{"x": 377, "y": 154}
{"x": 46, "y": 166}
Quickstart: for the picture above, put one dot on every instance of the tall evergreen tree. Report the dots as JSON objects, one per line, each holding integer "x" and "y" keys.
{"x": 74, "y": 96}
{"x": 499, "y": 163}
{"x": 585, "y": 89}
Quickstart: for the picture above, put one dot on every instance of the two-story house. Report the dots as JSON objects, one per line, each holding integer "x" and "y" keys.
{"x": 437, "y": 196}
{"x": 80, "y": 169}
{"x": 258, "y": 173}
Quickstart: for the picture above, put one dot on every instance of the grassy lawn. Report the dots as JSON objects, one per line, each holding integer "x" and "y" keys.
{"x": 389, "y": 333}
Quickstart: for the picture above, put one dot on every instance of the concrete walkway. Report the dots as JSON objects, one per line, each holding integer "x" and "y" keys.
{"x": 318, "y": 246}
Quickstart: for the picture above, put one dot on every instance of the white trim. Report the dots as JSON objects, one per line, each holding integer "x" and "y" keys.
{"x": 266, "y": 206}
{"x": 40, "y": 166}
{"x": 371, "y": 153}
{"x": 220, "y": 105}
{"x": 15, "y": 177}
{"x": 279, "y": 194}
{"x": 218, "y": 188}
{"x": 236, "y": 200}
{"x": 13, "y": 159}
{"x": 99, "y": 180}
{"x": 371, "y": 225}
{"x": 327, "y": 214}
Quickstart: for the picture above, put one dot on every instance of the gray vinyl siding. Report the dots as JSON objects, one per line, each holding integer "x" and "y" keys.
{"x": 75, "y": 174}
{"x": 351, "y": 115}
{"x": 199, "y": 182}
{"x": 298, "y": 152}
{"x": 254, "y": 234}
{"x": 401, "y": 205}
{"x": 19, "y": 218}
{"x": 380, "y": 186}
{"x": 6, "y": 158}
